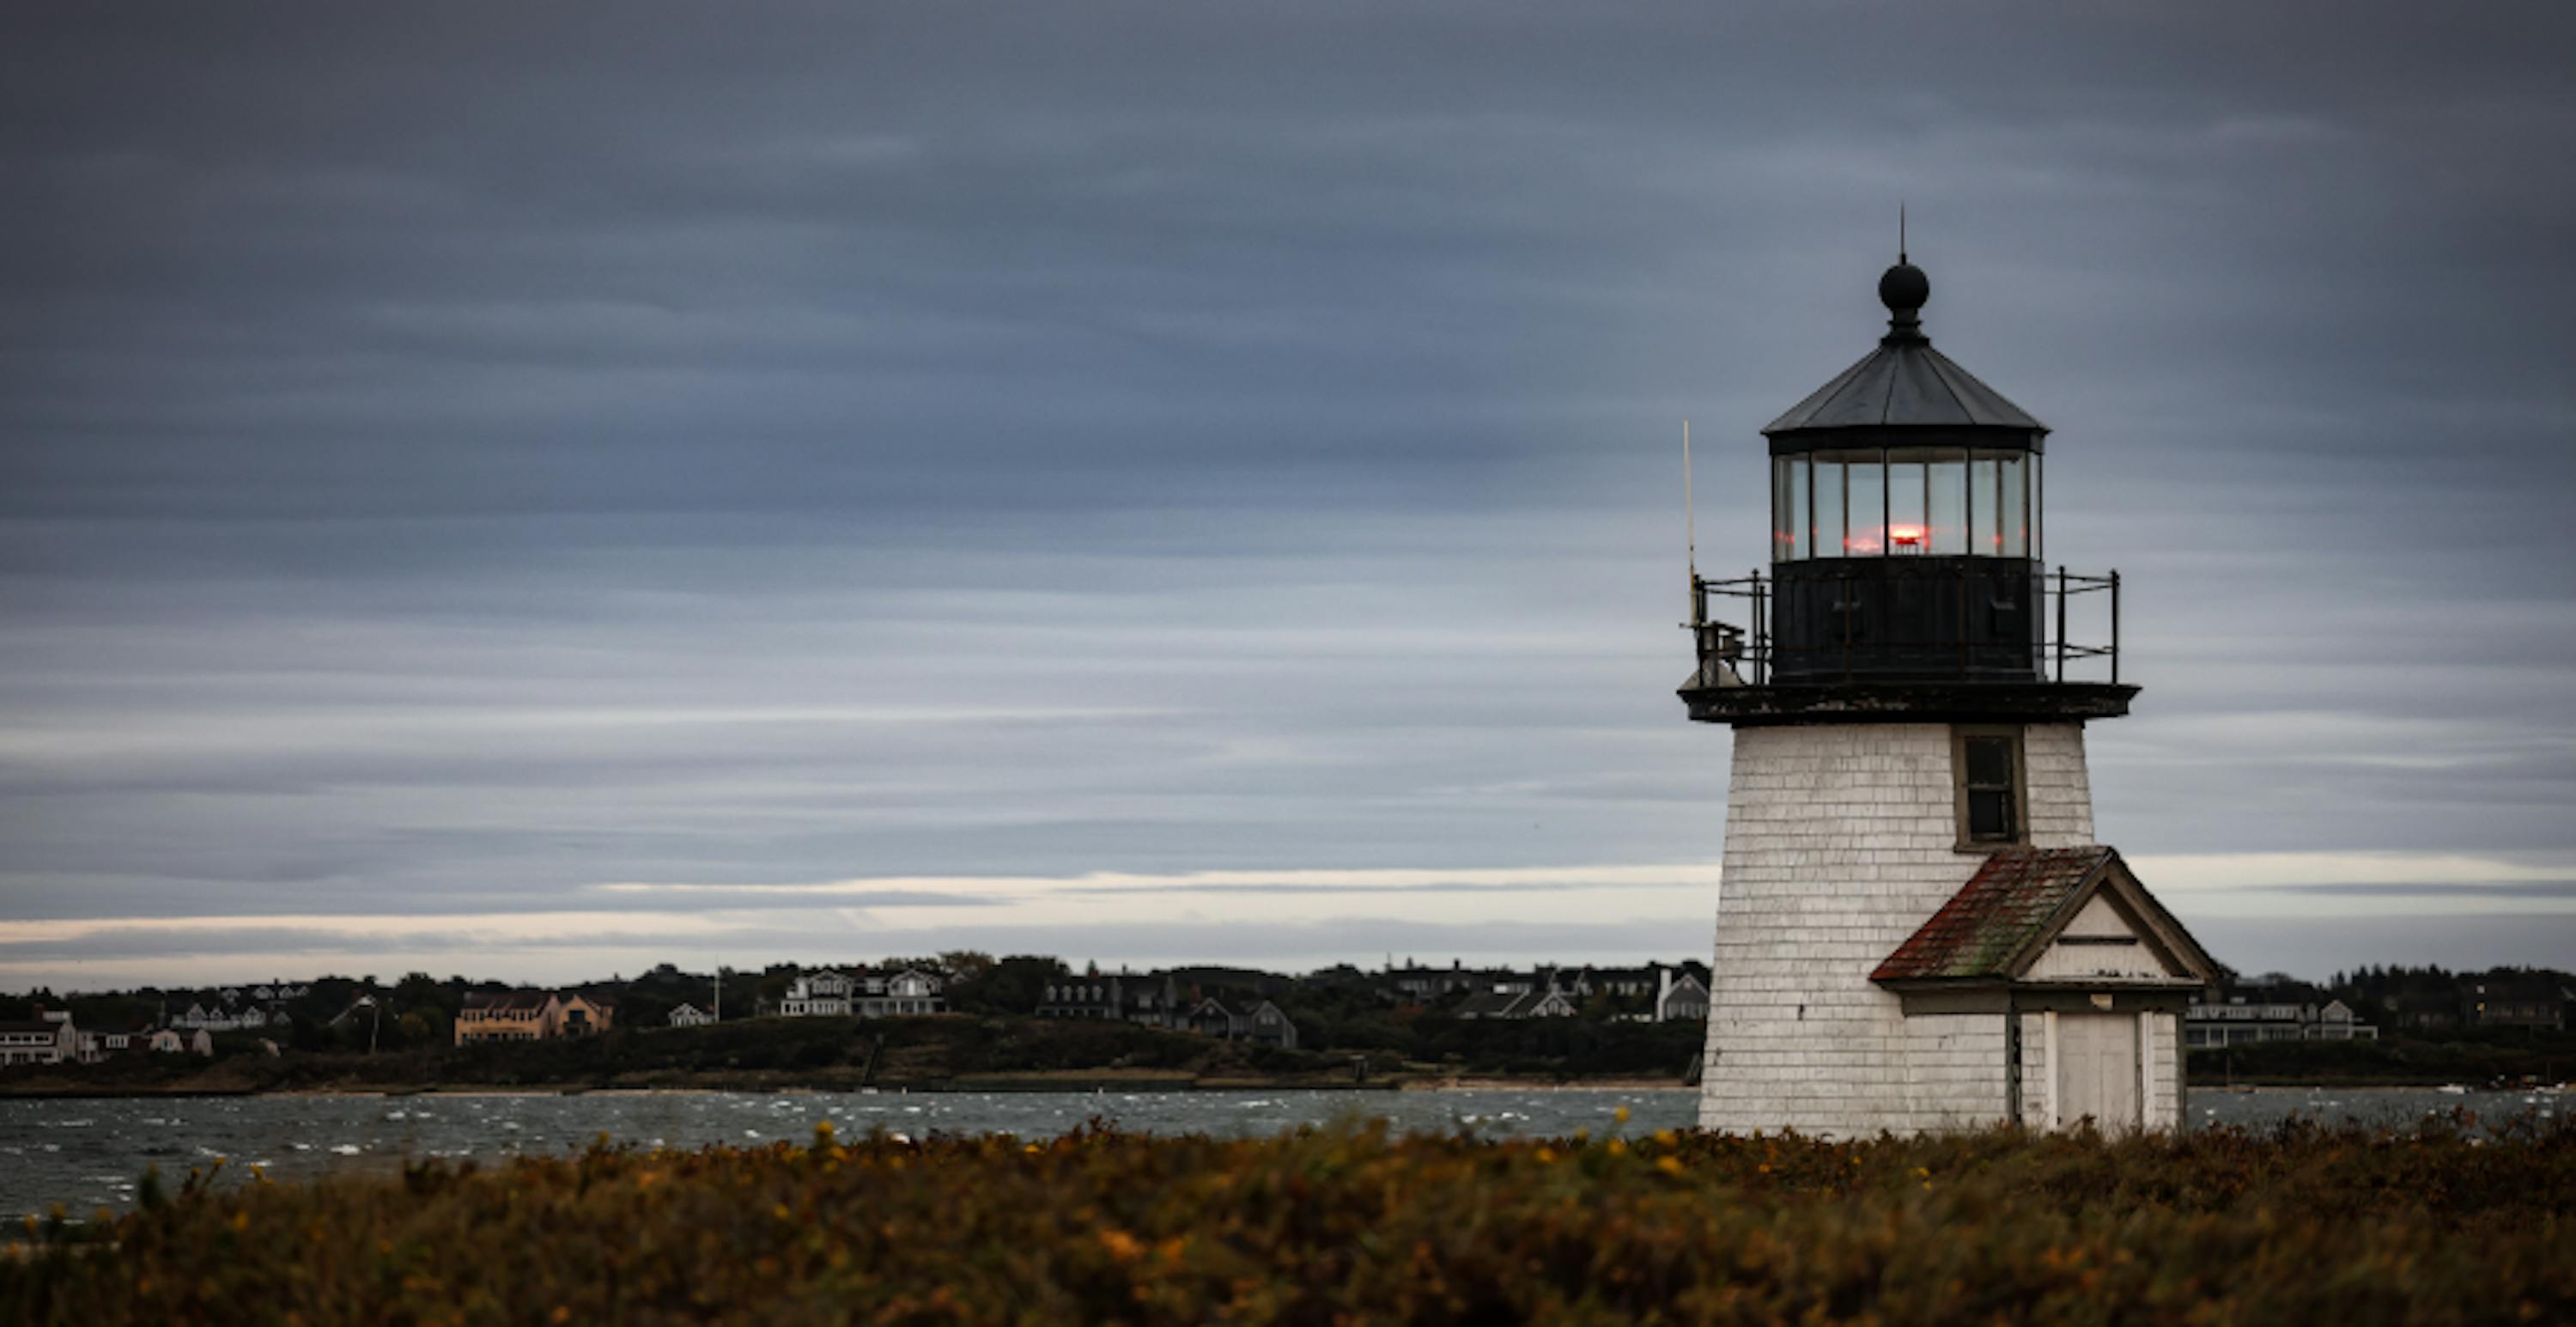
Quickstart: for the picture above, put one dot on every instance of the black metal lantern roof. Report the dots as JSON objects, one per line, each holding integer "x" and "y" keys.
{"x": 1905, "y": 383}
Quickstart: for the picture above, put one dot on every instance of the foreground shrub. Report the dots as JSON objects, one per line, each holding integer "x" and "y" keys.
{"x": 2299, "y": 1225}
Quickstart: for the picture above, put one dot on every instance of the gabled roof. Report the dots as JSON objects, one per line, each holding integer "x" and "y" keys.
{"x": 480, "y": 1000}
{"x": 2018, "y": 902}
{"x": 1905, "y": 384}
{"x": 1491, "y": 1004}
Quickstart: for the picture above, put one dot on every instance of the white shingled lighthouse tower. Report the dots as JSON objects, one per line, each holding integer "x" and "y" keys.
{"x": 1916, "y": 929}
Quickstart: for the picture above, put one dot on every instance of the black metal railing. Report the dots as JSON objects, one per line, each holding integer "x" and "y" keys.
{"x": 1948, "y": 648}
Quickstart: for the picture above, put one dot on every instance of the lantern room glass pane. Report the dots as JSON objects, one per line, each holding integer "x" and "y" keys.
{"x": 1788, "y": 507}
{"x": 1784, "y": 544}
{"x": 1865, "y": 497}
{"x": 1949, "y": 503}
{"x": 1986, "y": 507}
{"x": 2038, "y": 508}
{"x": 2012, "y": 537}
{"x": 1799, "y": 511}
{"x": 1827, "y": 539}
{"x": 1906, "y": 532}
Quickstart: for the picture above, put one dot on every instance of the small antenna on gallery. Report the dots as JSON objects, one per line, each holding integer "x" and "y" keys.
{"x": 1900, "y": 232}
{"x": 1690, "y": 531}
{"x": 1690, "y": 513}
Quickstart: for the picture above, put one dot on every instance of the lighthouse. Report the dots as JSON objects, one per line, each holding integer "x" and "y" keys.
{"x": 1916, "y": 927}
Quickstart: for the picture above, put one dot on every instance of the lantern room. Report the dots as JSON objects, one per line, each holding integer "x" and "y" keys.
{"x": 1907, "y": 547}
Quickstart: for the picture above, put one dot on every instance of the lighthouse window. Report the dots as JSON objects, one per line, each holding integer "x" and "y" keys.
{"x": 1865, "y": 497}
{"x": 1906, "y": 526}
{"x": 1949, "y": 503}
{"x": 1988, "y": 762}
{"x": 1788, "y": 506}
{"x": 1986, "y": 506}
{"x": 1905, "y": 501}
{"x": 1827, "y": 542}
{"x": 2028, "y": 511}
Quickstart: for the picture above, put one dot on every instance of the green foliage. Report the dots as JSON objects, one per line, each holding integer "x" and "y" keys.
{"x": 1013, "y": 985}
{"x": 2299, "y": 1224}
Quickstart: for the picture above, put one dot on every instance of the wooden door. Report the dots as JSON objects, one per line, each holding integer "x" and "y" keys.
{"x": 2097, "y": 1070}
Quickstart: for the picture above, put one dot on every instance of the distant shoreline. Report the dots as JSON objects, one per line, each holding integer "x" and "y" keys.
{"x": 1082, "y": 1086}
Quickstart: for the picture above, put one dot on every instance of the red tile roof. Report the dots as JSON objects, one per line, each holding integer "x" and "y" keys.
{"x": 1994, "y": 916}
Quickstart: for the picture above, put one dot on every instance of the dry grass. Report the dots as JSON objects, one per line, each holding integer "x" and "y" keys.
{"x": 2298, "y": 1225}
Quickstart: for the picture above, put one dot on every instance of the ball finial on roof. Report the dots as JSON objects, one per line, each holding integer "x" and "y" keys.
{"x": 1904, "y": 288}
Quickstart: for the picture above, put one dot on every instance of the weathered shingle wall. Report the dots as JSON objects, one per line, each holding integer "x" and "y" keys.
{"x": 2164, "y": 1094}
{"x": 2061, "y": 792}
{"x": 1840, "y": 841}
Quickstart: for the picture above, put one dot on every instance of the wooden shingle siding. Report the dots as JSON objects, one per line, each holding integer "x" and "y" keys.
{"x": 1840, "y": 841}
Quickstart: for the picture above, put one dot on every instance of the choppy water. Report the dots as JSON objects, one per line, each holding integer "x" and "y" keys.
{"x": 87, "y": 1154}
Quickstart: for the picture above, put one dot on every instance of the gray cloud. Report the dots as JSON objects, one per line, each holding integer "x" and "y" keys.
{"x": 1245, "y": 439}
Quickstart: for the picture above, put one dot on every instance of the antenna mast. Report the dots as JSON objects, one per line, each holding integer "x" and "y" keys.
{"x": 1690, "y": 525}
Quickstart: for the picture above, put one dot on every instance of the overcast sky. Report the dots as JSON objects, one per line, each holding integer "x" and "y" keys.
{"x": 533, "y": 491}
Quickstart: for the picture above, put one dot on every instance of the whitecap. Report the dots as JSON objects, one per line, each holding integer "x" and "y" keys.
{"x": 347, "y": 1149}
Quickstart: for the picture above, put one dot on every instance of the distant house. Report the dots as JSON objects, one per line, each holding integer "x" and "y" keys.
{"x": 1243, "y": 1018}
{"x": 1151, "y": 1000}
{"x": 866, "y": 993}
{"x": 96, "y": 1047}
{"x": 1508, "y": 1000}
{"x": 507, "y": 1016}
{"x": 690, "y": 1016}
{"x": 2246, "y": 1015}
{"x": 1425, "y": 985}
{"x": 171, "y": 1041}
{"x": 222, "y": 1016}
{"x": 1680, "y": 994}
{"x": 1656, "y": 992}
{"x": 1618, "y": 983}
{"x": 911, "y": 991}
{"x": 2425, "y": 1010}
{"x": 818, "y": 995}
{"x": 2509, "y": 999}
{"x": 532, "y": 1015}
{"x": 48, "y": 1038}
{"x": 582, "y": 1014}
